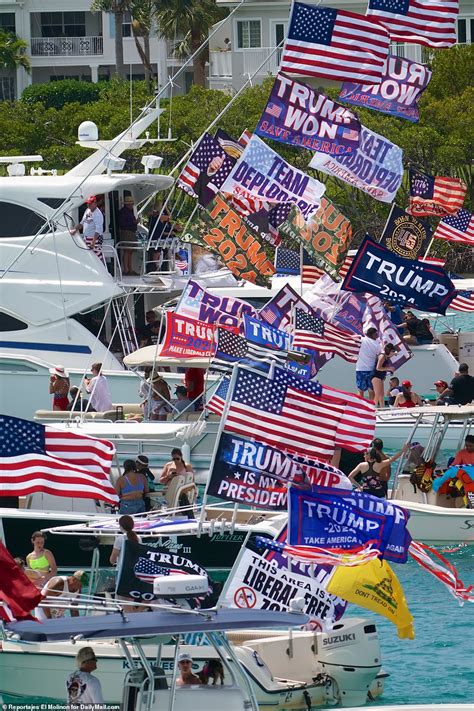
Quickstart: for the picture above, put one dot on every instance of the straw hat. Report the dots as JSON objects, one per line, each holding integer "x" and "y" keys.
{"x": 60, "y": 371}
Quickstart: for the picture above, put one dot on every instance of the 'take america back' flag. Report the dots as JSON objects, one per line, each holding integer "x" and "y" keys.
{"x": 428, "y": 22}
{"x": 436, "y": 196}
{"x": 339, "y": 45}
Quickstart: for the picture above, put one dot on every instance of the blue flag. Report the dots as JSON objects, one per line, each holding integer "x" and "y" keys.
{"x": 403, "y": 282}
{"x": 347, "y": 520}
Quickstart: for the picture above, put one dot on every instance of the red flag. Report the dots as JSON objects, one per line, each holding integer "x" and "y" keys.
{"x": 16, "y": 590}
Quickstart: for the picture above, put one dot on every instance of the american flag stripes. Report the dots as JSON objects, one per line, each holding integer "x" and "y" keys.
{"x": 463, "y": 301}
{"x": 436, "y": 196}
{"x": 320, "y": 556}
{"x": 298, "y": 416}
{"x": 339, "y": 45}
{"x": 231, "y": 349}
{"x": 437, "y": 261}
{"x": 314, "y": 333}
{"x": 217, "y": 402}
{"x": 207, "y": 150}
{"x": 37, "y": 458}
{"x": 428, "y": 22}
{"x": 457, "y": 228}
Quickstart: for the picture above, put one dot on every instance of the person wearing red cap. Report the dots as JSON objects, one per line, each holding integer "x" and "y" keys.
{"x": 441, "y": 387}
{"x": 92, "y": 226}
{"x": 407, "y": 398}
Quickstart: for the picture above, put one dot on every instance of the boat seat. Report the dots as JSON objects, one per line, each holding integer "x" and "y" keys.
{"x": 182, "y": 484}
{"x": 61, "y": 415}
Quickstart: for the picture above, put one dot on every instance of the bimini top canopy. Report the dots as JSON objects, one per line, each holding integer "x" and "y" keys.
{"x": 158, "y": 622}
{"x": 151, "y": 355}
{"x": 428, "y": 412}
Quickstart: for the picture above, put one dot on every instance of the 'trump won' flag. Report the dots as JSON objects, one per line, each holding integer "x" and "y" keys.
{"x": 428, "y": 22}
{"x": 401, "y": 281}
{"x": 339, "y": 45}
{"x": 38, "y": 458}
{"x": 197, "y": 303}
{"x": 436, "y": 196}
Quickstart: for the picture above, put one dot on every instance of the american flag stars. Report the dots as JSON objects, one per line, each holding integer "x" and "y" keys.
{"x": 314, "y": 24}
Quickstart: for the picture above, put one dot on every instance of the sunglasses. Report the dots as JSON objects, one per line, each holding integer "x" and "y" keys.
{"x": 176, "y": 459}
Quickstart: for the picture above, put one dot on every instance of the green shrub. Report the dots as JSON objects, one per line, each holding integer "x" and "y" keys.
{"x": 56, "y": 94}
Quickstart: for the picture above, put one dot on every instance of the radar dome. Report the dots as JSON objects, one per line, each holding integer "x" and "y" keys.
{"x": 88, "y": 131}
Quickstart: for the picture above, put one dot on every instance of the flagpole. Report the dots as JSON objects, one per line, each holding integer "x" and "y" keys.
{"x": 429, "y": 247}
{"x": 388, "y": 220}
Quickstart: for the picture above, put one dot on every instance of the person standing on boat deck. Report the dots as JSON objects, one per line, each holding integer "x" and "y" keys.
{"x": 182, "y": 401}
{"x": 382, "y": 367}
{"x": 461, "y": 388}
{"x": 407, "y": 398}
{"x": 131, "y": 488}
{"x": 377, "y": 444}
{"x": 59, "y": 385}
{"x": 465, "y": 456}
{"x": 98, "y": 389}
{"x": 128, "y": 223}
{"x": 126, "y": 524}
{"x": 82, "y": 687}
{"x": 40, "y": 561}
{"x": 374, "y": 473}
{"x": 151, "y": 317}
{"x": 369, "y": 350}
{"x": 185, "y": 666}
{"x": 194, "y": 383}
{"x": 160, "y": 398}
{"x": 63, "y": 587}
{"x": 92, "y": 227}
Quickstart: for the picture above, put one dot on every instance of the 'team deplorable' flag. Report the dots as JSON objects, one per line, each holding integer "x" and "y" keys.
{"x": 404, "y": 282}
{"x": 297, "y": 115}
{"x": 298, "y": 416}
{"x": 436, "y": 196}
{"x": 405, "y": 235}
{"x": 376, "y": 167}
{"x": 195, "y": 302}
{"x": 314, "y": 333}
{"x": 38, "y": 458}
{"x": 374, "y": 586}
{"x": 263, "y": 175}
{"x": 431, "y": 23}
{"x": 187, "y": 337}
{"x": 334, "y": 44}
{"x": 206, "y": 170}
{"x": 458, "y": 228}
{"x": 397, "y": 94}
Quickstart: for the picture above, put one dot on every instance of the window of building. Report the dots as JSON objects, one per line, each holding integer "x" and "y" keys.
{"x": 127, "y": 24}
{"x": 466, "y": 30}
{"x": 7, "y": 22}
{"x": 7, "y": 89}
{"x": 63, "y": 24}
{"x": 249, "y": 34}
{"x": 19, "y": 221}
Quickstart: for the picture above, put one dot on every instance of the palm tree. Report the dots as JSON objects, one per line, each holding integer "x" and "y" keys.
{"x": 192, "y": 20}
{"x": 142, "y": 12}
{"x": 13, "y": 52}
{"x": 118, "y": 8}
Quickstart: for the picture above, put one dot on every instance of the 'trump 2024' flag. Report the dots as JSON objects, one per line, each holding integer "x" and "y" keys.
{"x": 405, "y": 282}
{"x": 458, "y": 228}
{"x": 436, "y": 196}
{"x": 187, "y": 337}
{"x": 428, "y": 22}
{"x": 297, "y": 115}
{"x": 376, "y": 167}
{"x": 38, "y": 458}
{"x": 298, "y": 416}
{"x": 339, "y": 45}
{"x": 397, "y": 94}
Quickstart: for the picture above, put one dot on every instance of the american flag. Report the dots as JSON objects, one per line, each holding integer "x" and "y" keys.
{"x": 217, "y": 402}
{"x": 287, "y": 261}
{"x": 436, "y": 196}
{"x": 232, "y": 349}
{"x": 320, "y": 556}
{"x": 309, "y": 271}
{"x": 207, "y": 149}
{"x": 437, "y": 261}
{"x": 273, "y": 109}
{"x": 457, "y": 228}
{"x": 299, "y": 416}
{"x": 314, "y": 333}
{"x": 147, "y": 570}
{"x": 37, "y": 458}
{"x": 463, "y": 301}
{"x": 339, "y": 45}
{"x": 245, "y": 137}
{"x": 428, "y": 22}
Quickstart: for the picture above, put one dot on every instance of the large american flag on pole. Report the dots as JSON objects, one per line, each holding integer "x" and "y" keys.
{"x": 428, "y": 22}
{"x": 36, "y": 458}
{"x": 298, "y": 416}
{"x": 463, "y": 301}
{"x": 339, "y": 45}
{"x": 436, "y": 196}
{"x": 314, "y": 333}
{"x": 457, "y": 228}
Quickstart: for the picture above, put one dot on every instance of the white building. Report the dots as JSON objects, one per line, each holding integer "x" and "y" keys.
{"x": 258, "y": 27}
{"x": 74, "y": 43}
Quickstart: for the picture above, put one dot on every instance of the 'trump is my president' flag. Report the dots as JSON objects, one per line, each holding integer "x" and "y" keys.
{"x": 405, "y": 282}
{"x": 339, "y": 45}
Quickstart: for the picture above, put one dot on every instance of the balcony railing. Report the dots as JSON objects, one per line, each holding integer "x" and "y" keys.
{"x": 253, "y": 58}
{"x": 220, "y": 63}
{"x": 66, "y": 46}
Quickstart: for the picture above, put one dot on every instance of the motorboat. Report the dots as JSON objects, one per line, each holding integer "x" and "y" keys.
{"x": 45, "y": 656}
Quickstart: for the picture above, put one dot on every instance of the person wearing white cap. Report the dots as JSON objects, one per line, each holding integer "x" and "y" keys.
{"x": 59, "y": 385}
{"x": 92, "y": 226}
{"x": 185, "y": 665}
{"x": 82, "y": 687}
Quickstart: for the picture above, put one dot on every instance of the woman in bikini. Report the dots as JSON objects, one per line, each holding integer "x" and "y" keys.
{"x": 40, "y": 563}
{"x": 372, "y": 475}
{"x": 131, "y": 488}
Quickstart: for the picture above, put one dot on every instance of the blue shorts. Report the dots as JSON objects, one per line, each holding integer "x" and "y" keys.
{"x": 132, "y": 506}
{"x": 364, "y": 379}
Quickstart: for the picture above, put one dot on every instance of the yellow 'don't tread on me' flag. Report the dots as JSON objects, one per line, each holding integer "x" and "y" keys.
{"x": 375, "y": 586}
